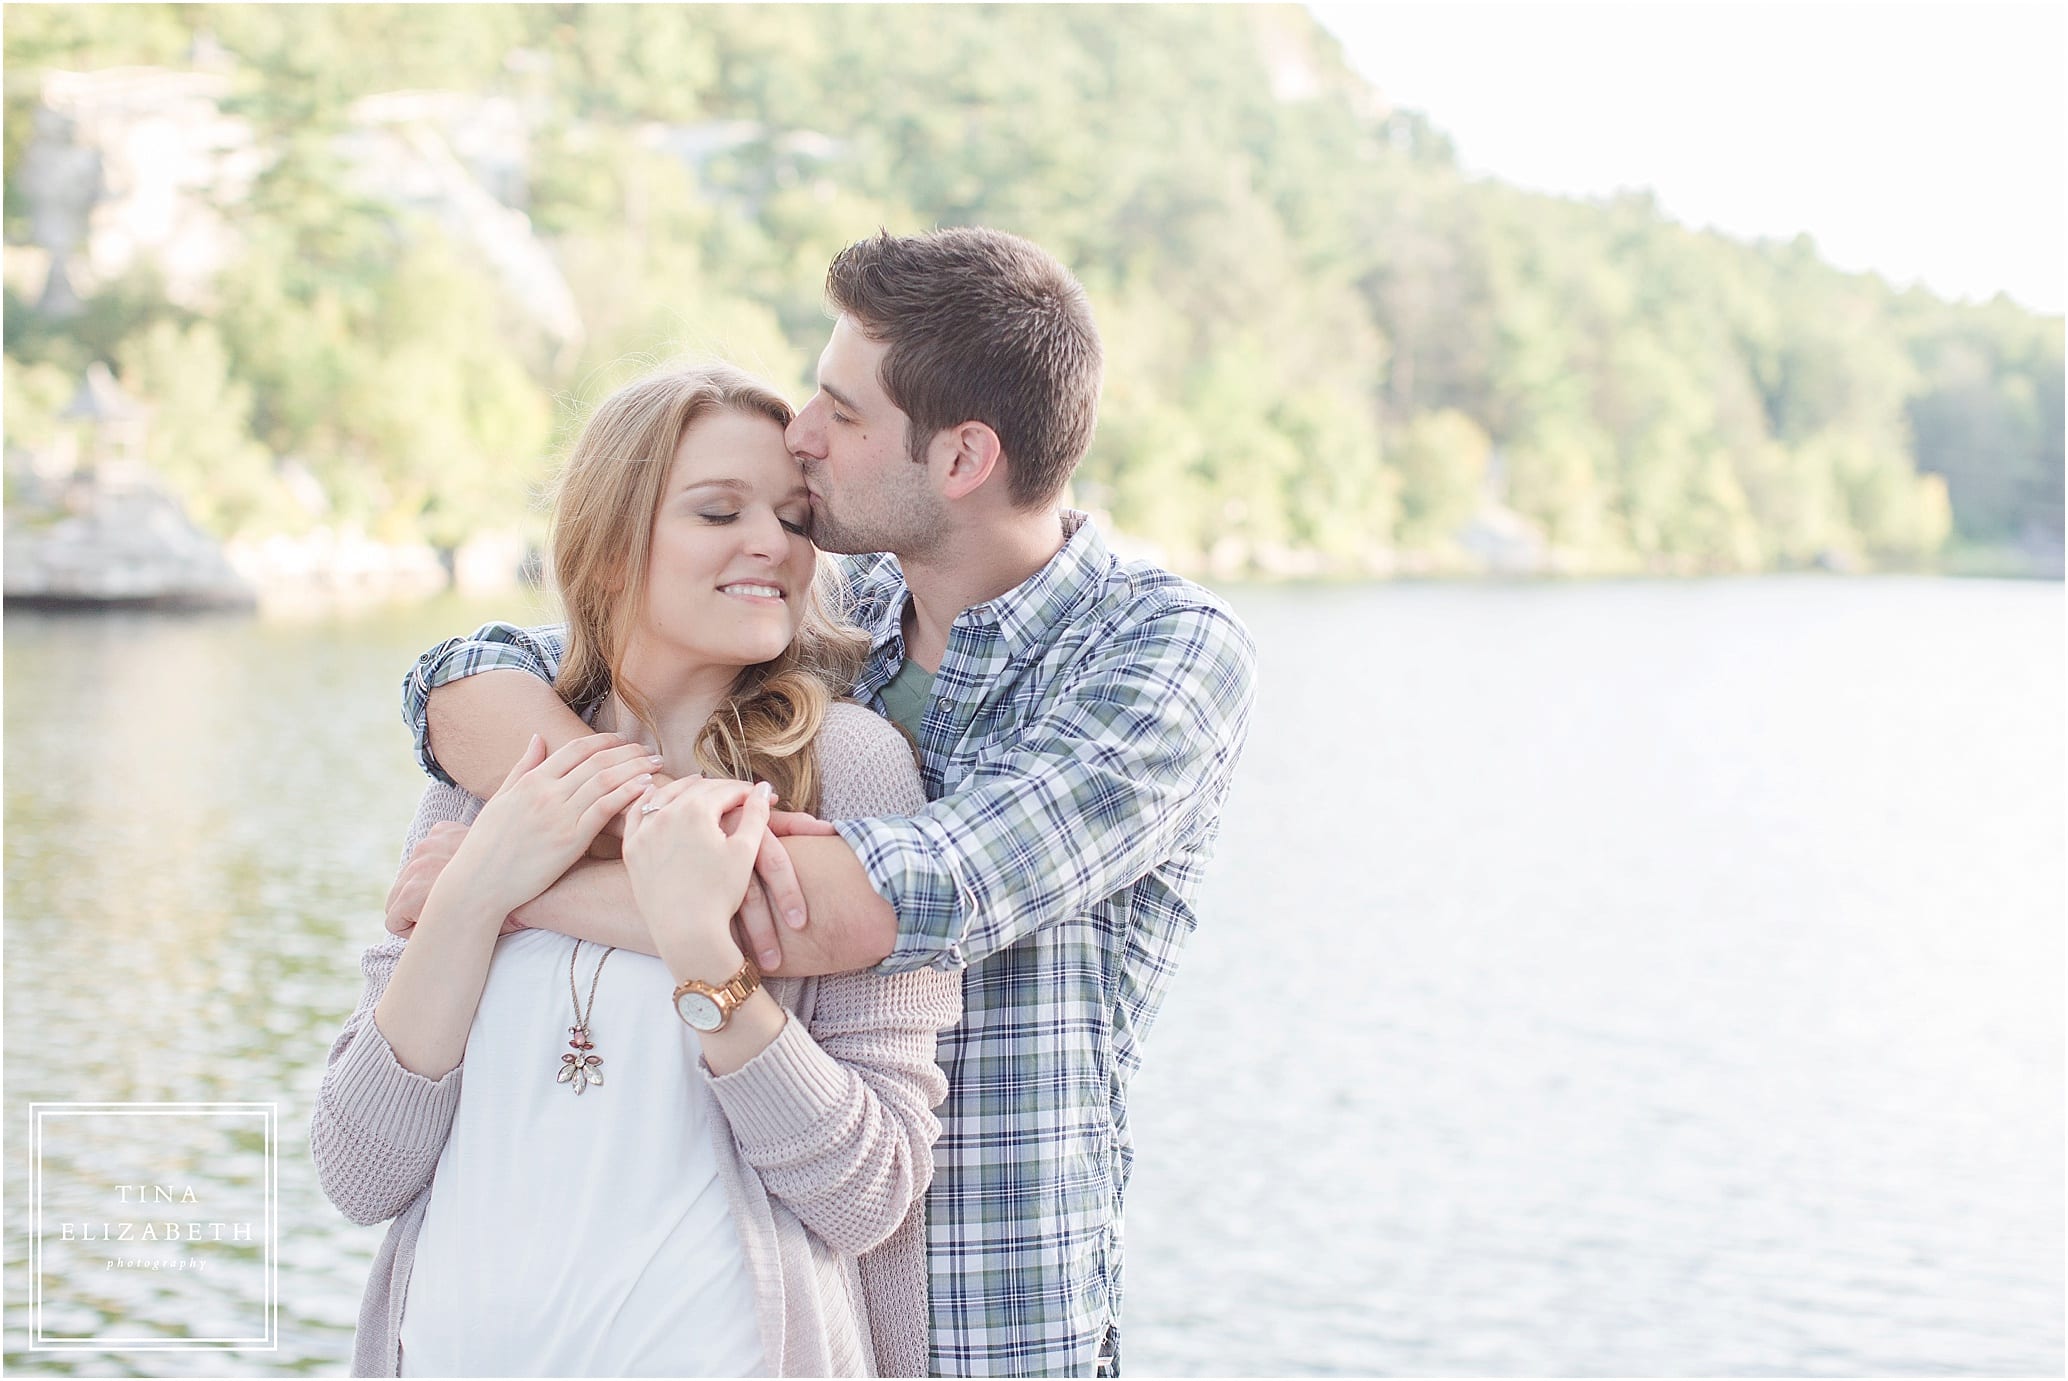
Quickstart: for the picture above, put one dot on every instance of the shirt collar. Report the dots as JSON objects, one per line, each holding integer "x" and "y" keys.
{"x": 1022, "y": 614}
{"x": 1025, "y": 613}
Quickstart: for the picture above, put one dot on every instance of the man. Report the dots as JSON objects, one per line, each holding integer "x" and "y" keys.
{"x": 1078, "y": 722}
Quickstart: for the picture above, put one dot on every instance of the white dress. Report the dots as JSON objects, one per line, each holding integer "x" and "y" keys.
{"x": 531, "y": 1260}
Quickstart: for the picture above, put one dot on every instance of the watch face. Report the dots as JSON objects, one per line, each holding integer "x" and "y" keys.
{"x": 699, "y": 1011}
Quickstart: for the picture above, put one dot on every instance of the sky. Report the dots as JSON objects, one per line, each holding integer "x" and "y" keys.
{"x": 1926, "y": 142}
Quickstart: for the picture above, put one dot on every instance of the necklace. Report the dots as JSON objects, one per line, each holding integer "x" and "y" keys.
{"x": 578, "y": 1066}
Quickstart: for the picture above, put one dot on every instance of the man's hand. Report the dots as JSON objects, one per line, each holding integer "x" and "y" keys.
{"x": 774, "y": 889}
{"x": 413, "y": 884}
{"x": 798, "y": 822}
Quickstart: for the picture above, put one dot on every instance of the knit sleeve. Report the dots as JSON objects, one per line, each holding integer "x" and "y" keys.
{"x": 441, "y": 802}
{"x": 379, "y": 1128}
{"x": 839, "y": 1119}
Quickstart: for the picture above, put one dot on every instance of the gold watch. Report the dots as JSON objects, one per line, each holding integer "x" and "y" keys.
{"x": 709, "y": 1006}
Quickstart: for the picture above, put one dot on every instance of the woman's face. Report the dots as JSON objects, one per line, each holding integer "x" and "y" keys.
{"x": 730, "y": 563}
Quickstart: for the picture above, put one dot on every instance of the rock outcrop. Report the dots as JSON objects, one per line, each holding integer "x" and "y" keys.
{"x": 131, "y": 546}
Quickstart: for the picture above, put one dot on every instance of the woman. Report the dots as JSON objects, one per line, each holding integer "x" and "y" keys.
{"x": 659, "y": 1165}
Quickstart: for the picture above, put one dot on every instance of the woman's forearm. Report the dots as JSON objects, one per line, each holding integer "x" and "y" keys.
{"x": 428, "y": 1007}
{"x": 713, "y": 957}
{"x": 377, "y": 1129}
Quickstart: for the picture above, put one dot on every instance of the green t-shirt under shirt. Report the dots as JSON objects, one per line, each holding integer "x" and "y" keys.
{"x": 906, "y": 697}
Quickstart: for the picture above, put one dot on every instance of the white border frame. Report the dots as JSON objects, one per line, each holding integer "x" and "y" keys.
{"x": 269, "y": 1340}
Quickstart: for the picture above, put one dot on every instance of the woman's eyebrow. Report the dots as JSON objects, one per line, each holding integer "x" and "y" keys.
{"x": 733, "y": 486}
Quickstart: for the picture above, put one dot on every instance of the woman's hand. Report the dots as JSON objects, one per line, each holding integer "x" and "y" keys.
{"x": 420, "y": 874}
{"x": 545, "y": 814}
{"x": 689, "y": 851}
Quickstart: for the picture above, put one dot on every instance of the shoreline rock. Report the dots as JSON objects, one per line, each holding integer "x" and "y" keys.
{"x": 127, "y": 547}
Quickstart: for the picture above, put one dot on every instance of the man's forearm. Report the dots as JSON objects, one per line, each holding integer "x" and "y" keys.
{"x": 479, "y": 725}
{"x": 592, "y": 901}
{"x": 851, "y": 926}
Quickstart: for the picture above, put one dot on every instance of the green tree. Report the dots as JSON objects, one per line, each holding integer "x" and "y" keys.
{"x": 200, "y": 439}
{"x": 1441, "y": 458}
{"x": 1320, "y": 333}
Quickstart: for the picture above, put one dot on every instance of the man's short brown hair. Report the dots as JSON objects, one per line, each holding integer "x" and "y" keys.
{"x": 986, "y": 327}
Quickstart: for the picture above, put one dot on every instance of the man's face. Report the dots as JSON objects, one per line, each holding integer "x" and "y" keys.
{"x": 867, "y": 493}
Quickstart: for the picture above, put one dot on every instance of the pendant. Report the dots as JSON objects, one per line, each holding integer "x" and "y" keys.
{"x": 578, "y": 1067}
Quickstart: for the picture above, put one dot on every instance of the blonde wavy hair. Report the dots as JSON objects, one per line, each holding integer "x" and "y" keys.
{"x": 604, "y": 501}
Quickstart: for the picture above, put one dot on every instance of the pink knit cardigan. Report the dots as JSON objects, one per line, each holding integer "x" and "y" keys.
{"x": 825, "y": 1139}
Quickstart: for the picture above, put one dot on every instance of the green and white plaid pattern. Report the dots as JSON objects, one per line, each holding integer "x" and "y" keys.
{"x": 1083, "y": 731}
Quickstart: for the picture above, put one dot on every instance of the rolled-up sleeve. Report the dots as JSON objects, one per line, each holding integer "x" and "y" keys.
{"x": 491, "y": 647}
{"x": 1093, "y": 792}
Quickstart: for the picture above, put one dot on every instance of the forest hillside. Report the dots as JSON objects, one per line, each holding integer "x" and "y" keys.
{"x": 362, "y": 265}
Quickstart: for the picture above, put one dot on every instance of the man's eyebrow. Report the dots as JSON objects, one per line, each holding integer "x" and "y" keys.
{"x": 837, "y": 396}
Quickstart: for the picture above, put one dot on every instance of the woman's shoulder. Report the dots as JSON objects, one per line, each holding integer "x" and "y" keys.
{"x": 866, "y": 765}
{"x": 850, "y": 723}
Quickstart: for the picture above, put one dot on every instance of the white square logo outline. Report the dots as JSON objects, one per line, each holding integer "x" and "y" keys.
{"x": 269, "y": 1339}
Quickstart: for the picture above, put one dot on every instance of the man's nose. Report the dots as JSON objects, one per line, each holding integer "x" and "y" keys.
{"x": 802, "y": 435}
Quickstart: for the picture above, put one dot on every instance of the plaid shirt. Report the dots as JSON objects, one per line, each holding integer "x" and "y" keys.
{"x": 1077, "y": 750}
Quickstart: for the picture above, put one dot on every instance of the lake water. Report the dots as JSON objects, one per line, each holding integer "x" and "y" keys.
{"x": 1648, "y": 978}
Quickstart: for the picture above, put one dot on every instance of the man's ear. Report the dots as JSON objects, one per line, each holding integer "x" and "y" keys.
{"x": 969, "y": 454}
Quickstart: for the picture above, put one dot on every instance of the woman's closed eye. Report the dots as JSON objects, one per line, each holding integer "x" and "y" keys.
{"x": 797, "y": 526}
